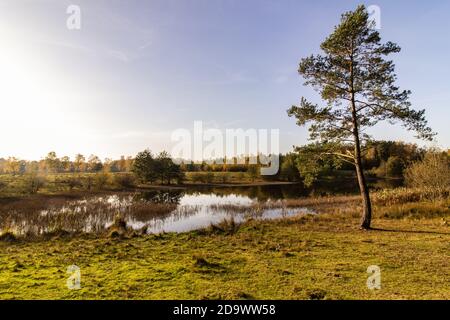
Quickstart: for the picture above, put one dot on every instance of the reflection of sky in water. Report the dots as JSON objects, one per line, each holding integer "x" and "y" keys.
{"x": 206, "y": 215}
{"x": 191, "y": 211}
{"x": 210, "y": 199}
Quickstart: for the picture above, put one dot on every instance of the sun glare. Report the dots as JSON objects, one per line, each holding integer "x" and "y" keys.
{"x": 38, "y": 109}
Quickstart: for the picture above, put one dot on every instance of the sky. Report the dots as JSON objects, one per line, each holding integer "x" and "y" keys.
{"x": 136, "y": 71}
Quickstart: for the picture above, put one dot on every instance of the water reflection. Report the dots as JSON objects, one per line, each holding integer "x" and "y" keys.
{"x": 170, "y": 210}
{"x": 155, "y": 210}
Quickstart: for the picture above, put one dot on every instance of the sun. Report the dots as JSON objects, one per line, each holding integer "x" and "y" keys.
{"x": 39, "y": 110}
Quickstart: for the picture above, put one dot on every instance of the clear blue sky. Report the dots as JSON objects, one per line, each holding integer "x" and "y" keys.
{"x": 137, "y": 70}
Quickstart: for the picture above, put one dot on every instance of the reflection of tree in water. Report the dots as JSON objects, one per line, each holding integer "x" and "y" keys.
{"x": 323, "y": 187}
{"x": 160, "y": 196}
{"x": 259, "y": 193}
{"x": 349, "y": 186}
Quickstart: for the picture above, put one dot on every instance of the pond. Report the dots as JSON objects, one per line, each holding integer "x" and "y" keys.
{"x": 157, "y": 210}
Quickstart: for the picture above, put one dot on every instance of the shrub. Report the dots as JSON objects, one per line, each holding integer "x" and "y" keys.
{"x": 225, "y": 178}
{"x": 431, "y": 172}
{"x": 289, "y": 170}
{"x": 394, "y": 167}
{"x": 208, "y": 177}
{"x": 396, "y": 196}
{"x": 101, "y": 180}
{"x": 33, "y": 183}
{"x": 73, "y": 182}
{"x": 196, "y": 177}
{"x": 124, "y": 180}
{"x": 253, "y": 172}
{"x": 88, "y": 183}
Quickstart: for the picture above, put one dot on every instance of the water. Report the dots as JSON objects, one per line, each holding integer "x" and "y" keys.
{"x": 202, "y": 210}
{"x": 159, "y": 210}
{"x": 155, "y": 211}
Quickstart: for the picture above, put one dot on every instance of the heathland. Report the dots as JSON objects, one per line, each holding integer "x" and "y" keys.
{"x": 321, "y": 256}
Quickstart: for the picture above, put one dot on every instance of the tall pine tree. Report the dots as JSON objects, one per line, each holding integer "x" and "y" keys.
{"x": 357, "y": 84}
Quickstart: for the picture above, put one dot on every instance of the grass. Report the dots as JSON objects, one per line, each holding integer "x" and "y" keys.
{"x": 307, "y": 257}
{"x": 55, "y": 184}
{"x": 70, "y": 183}
{"x": 221, "y": 178}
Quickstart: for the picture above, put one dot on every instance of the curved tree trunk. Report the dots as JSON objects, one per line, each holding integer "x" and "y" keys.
{"x": 366, "y": 216}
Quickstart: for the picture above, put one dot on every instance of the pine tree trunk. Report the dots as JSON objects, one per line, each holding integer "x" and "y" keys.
{"x": 367, "y": 207}
{"x": 366, "y": 216}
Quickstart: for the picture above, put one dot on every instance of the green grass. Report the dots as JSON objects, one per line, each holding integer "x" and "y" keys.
{"x": 221, "y": 178}
{"x": 301, "y": 258}
{"x": 58, "y": 183}
{"x": 16, "y": 185}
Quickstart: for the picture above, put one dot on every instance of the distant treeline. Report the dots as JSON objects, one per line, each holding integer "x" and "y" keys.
{"x": 381, "y": 159}
{"x": 53, "y": 164}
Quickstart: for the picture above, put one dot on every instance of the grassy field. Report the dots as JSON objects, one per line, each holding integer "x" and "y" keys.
{"x": 308, "y": 257}
{"x": 61, "y": 183}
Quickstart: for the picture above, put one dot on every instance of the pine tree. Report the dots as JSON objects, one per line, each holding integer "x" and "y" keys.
{"x": 357, "y": 84}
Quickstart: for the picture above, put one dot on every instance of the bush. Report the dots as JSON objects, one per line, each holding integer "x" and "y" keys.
{"x": 196, "y": 177}
{"x": 253, "y": 172}
{"x": 389, "y": 197}
{"x": 225, "y": 178}
{"x": 101, "y": 180}
{"x": 432, "y": 172}
{"x": 394, "y": 167}
{"x": 33, "y": 183}
{"x": 88, "y": 183}
{"x": 208, "y": 177}
{"x": 73, "y": 182}
{"x": 124, "y": 180}
{"x": 289, "y": 170}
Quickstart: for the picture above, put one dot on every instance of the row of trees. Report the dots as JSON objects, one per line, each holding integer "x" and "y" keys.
{"x": 385, "y": 159}
{"x": 379, "y": 158}
{"x": 308, "y": 164}
{"x": 240, "y": 163}
{"x": 53, "y": 164}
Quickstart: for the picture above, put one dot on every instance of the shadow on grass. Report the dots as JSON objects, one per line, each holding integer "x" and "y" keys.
{"x": 410, "y": 231}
